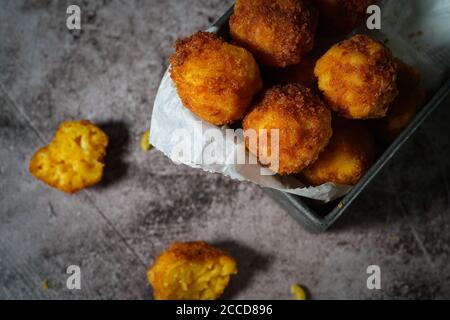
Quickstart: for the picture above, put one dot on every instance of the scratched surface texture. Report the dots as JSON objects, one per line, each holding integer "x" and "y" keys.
{"x": 109, "y": 73}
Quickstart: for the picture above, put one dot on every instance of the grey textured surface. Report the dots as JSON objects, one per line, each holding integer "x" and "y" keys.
{"x": 109, "y": 73}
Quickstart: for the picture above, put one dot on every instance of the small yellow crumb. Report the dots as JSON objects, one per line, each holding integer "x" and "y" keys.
{"x": 394, "y": 238}
{"x": 298, "y": 292}
{"x": 145, "y": 143}
{"x": 340, "y": 205}
{"x": 45, "y": 285}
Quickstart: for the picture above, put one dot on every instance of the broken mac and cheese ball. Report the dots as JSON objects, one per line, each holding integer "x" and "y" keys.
{"x": 191, "y": 271}
{"x": 74, "y": 158}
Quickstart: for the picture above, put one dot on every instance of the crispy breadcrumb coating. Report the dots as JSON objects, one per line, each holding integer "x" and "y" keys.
{"x": 277, "y": 32}
{"x": 191, "y": 271}
{"x": 410, "y": 99}
{"x": 214, "y": 79}
{"x": 358, "y": 78}
{"x": 347, "y": 157}
{"x": 303, "y": 121}
{"x": 341, "y": 16}
{"x": 74, "y": 159}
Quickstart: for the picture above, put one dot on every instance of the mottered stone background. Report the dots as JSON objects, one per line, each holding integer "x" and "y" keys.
{"x": 109, "y": 73}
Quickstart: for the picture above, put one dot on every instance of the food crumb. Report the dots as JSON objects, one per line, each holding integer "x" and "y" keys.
{"x": 45, "y": 285}
{"x": 145, "y": 143}
{"x": 298, "y": 292}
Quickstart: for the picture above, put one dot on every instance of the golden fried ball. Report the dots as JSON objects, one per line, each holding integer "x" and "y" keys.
{"x": 214, "y": 79}
{"x": 347, "y": 157}
{"x": 358, "y": 78}
{"x": 74, "y": 158}
{"x": 341, "y": 16}
{"x": 191, "y": 271}
{"x": 277, "y": 32}
{"x": 410, "y": 99}
{"x": 303, "y": 121}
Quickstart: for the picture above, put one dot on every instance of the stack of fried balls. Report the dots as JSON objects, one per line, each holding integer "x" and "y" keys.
{"x": 332, "y": 106}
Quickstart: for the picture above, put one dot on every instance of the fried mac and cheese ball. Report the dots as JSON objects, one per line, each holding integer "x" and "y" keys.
{"x": 410, "y": 99}
{"x": 303, "y": 122}
{"x": 277, "y": 32}
{"x": 74, "y": 158}
{"x": 341, "y": 16}
{"x": 358, "y": 78}
{"x": 347, "y": 157}
{"x": 214, "y": 79}
{"x": 191, "y": 271}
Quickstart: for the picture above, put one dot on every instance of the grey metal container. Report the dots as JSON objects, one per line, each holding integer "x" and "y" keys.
{"x": 316, "y": 216}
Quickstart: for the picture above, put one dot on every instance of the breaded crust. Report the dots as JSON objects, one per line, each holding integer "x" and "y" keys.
{"x": 410, "y": 99}
{"x": 303, "y": 121}
{"x": 347, "y": 157}
{"x": 358, "y": 78}
{"x": 277, "y": 32}
{"x": 214, "y": 79}
{"x": 191, "y": 271}
{"x": 341, "y": 16}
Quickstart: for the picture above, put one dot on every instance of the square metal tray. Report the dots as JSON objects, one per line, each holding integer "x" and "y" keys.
{"x": 318, "y": 217}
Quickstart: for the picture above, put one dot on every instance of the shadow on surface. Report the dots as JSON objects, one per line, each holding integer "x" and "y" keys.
{"x": 249, "y": 263}
{"x": 115, "y": 167}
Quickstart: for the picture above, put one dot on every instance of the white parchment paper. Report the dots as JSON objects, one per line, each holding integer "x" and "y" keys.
{"x": 417, "y": 31}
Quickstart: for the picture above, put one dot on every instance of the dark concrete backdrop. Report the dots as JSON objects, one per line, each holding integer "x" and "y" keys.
{"x": 109, "y": 73}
